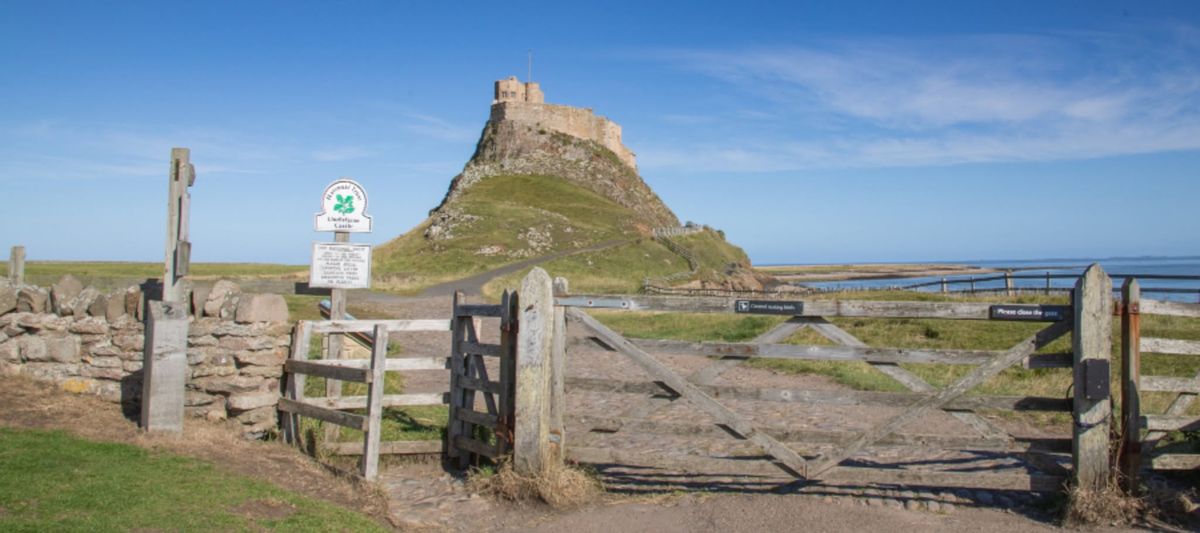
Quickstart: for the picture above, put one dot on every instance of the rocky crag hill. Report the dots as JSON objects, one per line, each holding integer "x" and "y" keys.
{"x": 548, "y": 179}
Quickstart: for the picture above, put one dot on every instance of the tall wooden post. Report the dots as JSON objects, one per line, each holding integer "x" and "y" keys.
{"x": 558, "y": 368}
{"x": 944, "y": 288}
{"x": 335, "y": 341}
{"x": 179, "y": 249}
{"x": 1092, "y": 346}
{"x": 1008, "y": 283}
{"x": 16, "y": 265}
{"x": 1131, "y": 375}
{"x": 164, "y": 354}
{"x": 531, "y": 452}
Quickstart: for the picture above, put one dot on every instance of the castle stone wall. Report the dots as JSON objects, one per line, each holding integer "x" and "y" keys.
{"x": 573, "y": 121}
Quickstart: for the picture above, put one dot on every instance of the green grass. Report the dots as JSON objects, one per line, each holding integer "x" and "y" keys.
{"x": 506, "y": 207}
{"x": 622, "y": 269}
{"x": 114, "y": 274}
{"x": 53, "y": 481}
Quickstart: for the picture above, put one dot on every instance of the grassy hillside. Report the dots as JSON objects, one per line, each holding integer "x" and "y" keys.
{"x": 621, "y": 270}
{"x": 505, "y": 219}
{"x": 502, "y": 220}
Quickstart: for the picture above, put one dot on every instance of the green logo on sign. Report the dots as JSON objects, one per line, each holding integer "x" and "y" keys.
{"x": 344, "y": 205}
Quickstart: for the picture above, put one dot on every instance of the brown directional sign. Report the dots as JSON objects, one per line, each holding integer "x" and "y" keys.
{"x": 1032, "y": 313}
{"x": 768, "y": 307}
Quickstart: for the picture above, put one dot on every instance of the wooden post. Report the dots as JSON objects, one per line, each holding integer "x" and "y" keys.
{"x": 558, "y": 367}
{"x": 301, "y": 338}
{"x": 164, "y": 352}
{"x": 1092, "y": 346}
{"x": 164, "y": 367}
{"x": 16, "y": 265}
{"x": 370, "y": 459}
{"x": 334, "y": 341}
{"x": 1008, "y": 283}
{"x": 1131, "y": 354}
{"x": 972, "y": 284}
{"x": 178, "y": 250}
{"x": 944, "y": 288}
{"x": 456, "y": 457}
{"x": 1047, "y": 282}
{"x": 531, "y": 454}
{"x": 509, "y": 327}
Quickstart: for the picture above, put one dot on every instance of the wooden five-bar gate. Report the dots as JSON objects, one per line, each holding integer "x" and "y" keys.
{"x": 1088, "y": 320}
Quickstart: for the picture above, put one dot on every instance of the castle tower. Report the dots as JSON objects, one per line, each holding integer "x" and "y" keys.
{"x": 512, "y": 90}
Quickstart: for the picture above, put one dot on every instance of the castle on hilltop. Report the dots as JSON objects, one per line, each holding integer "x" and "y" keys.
{"x": 526, "y": 103}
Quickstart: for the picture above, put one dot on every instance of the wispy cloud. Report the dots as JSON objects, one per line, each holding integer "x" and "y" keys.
{"x": 439, "y": 128}
{"x": 939, "y": 101}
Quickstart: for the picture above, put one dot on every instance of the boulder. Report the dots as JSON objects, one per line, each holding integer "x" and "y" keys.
{"x": 99, "y": 306}
{"x": 262, "y": 308}
{"x": 133, "y": 301}
{"x": 63, "y": 293}
{"x": 199, "y": 297}
{"x": 83, "y": 301}
{"x": 114, "y": 307}
{"x": 252, "y": 400}
{"x": 8, "y": 300}
{"x": 222, "y": 299}
{"x": 32, "y": 300}
{"x": 62, "y": 349}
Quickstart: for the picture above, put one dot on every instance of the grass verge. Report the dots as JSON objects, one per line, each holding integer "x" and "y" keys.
{"x": 54, "y": 481}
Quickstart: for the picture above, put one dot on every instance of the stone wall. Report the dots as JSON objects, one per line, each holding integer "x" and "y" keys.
{"x": 90, "y": 342}
{"x": 573, "y": 121}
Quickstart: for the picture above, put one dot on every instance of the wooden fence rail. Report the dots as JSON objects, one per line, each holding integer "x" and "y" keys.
{"x": 1135, "y": 444}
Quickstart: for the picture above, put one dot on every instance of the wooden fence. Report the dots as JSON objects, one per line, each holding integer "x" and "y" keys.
{"x": 468, "y": 375}
{"x": 1089, "y": 321}
{"x": 1140, "y": 449}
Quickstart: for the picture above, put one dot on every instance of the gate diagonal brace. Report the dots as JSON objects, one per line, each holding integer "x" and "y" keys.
{"x": 980, "y": 374}
{"x": 786, "y": 457}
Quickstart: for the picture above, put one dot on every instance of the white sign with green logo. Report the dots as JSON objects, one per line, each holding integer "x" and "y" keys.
{"x": 344, "y": 208}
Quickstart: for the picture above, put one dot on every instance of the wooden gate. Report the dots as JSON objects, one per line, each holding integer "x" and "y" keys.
{"x": 1087, "y": 319}
{"x": 468, "y": 374}
{"x": 1135, "y": 444}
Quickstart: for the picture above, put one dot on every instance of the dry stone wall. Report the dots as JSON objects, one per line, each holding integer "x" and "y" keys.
{"x": 91, "y": 342}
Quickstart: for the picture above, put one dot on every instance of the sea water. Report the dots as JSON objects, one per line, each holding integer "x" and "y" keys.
{"x": 1038, "y": 268}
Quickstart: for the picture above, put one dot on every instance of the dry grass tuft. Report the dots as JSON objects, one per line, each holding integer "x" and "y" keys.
{"x": 1105, "y": 506}
{"x": 559, "y": 486}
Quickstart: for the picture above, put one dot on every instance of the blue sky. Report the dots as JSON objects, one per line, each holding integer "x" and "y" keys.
{"x": 809, "y": 132}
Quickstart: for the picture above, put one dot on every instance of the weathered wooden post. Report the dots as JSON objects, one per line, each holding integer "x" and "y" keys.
{"x": 16, "y": 265}
{"x": 370, "y": 460}
{"x": 164, "y": 353}
{"x": 558, "y": 368}
{"x": 944, "y": 288}
{"x": 1092, "y": 345}
{"x": 531, "y": 434}
{"x": 1008, "y": 283}
{"x": 1131, "y": 375}
{"x": 340, "y": 265}
{"x": 1047, "y": 282}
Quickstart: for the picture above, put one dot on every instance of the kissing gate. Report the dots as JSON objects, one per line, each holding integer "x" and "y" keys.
{"x": 511, "y": 396}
